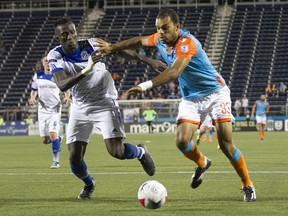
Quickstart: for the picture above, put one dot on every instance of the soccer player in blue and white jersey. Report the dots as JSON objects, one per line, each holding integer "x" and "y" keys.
{"x": 76, "y": 66}
{"x": 262, "y": 108}
{"x": 203, "y": 89}
{"x": 49, "y": 109}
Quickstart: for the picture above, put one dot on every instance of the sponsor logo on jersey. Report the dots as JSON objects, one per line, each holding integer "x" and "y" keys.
{"x": 84, "y": 55}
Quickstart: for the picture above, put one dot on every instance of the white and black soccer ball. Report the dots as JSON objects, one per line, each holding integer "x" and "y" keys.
{"x": 152, "y": 194}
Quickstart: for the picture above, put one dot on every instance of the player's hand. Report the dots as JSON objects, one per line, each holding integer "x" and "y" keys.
{"x": 105, "y": 47}
{"x": 134, "y": 90}
{"x": 67, "y": 100}
{"x": 157, "y": 65}
{"x": 96, "y": 56}
{"x": 89, "y": 68}
{"x": 31, "y": 101}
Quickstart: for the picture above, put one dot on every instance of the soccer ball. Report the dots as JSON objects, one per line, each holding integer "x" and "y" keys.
{"x": 152, "y": 194}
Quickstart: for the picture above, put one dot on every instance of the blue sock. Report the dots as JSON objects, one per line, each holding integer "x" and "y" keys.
{"x": 81, "y": 172}
{"x": 55, "y": 146}
{"x": 131, "y": 151}
{"x": 210, "y": 133}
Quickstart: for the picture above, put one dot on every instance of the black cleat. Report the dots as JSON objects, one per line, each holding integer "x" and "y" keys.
{"x": 147, "y": 161}
{"x": 197, "y": 177}
{"x": 249, "y": 194}
{"x": 87, "y": 191}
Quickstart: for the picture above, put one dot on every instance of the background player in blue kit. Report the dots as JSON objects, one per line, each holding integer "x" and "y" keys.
{"x": 49, "y": 109}
{"x": 203, "y": 89}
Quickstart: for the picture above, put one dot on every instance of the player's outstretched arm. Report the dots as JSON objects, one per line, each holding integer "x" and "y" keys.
{"x": 155, "y": 64}
{"x": 130, "y": 54}
{"x": 165, "y": 77}
{"x": 132, "y": 43}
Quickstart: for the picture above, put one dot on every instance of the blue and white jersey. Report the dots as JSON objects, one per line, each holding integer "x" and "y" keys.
{"x": 94, "y": 87}
{"x": 48, "y": 92}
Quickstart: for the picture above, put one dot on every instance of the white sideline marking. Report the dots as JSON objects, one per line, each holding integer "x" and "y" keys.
{"x": 137, "y": 173}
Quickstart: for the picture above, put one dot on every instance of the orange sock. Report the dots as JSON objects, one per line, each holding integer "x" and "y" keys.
{"x": 260, "y": 132}
{"x": 193, "y": 153}
{"x": 263, "y": 132}
{"x": 239, "y": 164}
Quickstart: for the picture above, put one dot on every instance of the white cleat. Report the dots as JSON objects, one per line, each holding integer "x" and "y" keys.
{"x": 55, "y": 165}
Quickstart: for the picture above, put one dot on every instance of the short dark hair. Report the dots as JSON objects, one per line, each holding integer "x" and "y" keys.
{"x": 62, "y": 21}
{"x": 167, "y": 12}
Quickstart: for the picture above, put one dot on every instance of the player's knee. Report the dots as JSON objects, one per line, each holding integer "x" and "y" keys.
{"x": 116, "y": 153}
{"x": 182, "y": 142}
{"x": 115, "y": 147}
{"x": 75, "y": 159}
{"x": 75, "y": 154}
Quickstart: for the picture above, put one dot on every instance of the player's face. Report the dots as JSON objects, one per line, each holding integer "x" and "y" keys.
{"x": 45, "y": 64}
{"x": 66, "y": 34}
{"x": 262, "y": 98}
{"x": 167, "y": 30}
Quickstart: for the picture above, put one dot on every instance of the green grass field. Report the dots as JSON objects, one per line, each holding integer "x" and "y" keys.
{"x": 29, "y": 187}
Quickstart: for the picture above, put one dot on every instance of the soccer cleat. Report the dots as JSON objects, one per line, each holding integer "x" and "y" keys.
{"x": 87, "y": 191}
{"x": 249, "y": 194}
{"x": 147, "y": 161}
{"x": 55, "y": 165}
{"x": 210, "y": 140}
{"x": 204, "y": 139}
{"x": 197, "y": 177}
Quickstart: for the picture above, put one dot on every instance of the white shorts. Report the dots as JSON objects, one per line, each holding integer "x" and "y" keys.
{"x": 207, "y": 122}
{"x": 49, "y": 122}
{"x": 216, "y": 105}
{"x": 81, "y": 123}
{"x": 261, "y": 120}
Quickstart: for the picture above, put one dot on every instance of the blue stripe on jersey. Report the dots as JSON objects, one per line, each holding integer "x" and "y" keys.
{"x": 57, "y": 69}
{"x": 80, "y": 55}
{"x": 199, "y": 78}
{"x": 42, "y": 75}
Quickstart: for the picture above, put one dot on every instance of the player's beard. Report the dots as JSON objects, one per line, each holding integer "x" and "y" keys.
{"x": 70, "y": 48}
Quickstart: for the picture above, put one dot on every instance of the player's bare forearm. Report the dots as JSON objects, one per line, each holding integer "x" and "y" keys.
{"x": 165, "y": 77}
{"x": 64, "y": 82}
{"x": 32, "y": 99}
{"x": 171, "y": 73}
{"x": 156, "y": 65}
{"x": 132, "y": 43}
